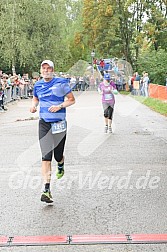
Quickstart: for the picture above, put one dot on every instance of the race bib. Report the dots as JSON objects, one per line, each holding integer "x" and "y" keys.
{"x": 108, "y": 97}
{"x": 59, "y": 127}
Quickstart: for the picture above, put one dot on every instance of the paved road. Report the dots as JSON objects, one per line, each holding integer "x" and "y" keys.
{"x": 113, "y": 184}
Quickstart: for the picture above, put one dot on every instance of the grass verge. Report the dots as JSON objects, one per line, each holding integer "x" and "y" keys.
{"x": 155, "y": 104}
{"x": 123, "y": 92}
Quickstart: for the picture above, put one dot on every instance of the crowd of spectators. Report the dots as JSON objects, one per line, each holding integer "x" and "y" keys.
{"x": 139, "y": 85}
{"x": 13, "y": 87}
{"x": 116, "y": 71}
{"x": 83, "y": 83}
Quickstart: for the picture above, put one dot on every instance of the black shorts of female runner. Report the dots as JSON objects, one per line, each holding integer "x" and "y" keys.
{"x": 51, "y": 143}
{"x": 108, "y": 111}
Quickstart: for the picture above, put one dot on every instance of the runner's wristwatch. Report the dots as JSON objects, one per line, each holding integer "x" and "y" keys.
{"x": 61, "y": 106}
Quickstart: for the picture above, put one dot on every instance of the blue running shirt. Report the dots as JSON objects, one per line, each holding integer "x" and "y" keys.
{"x": 51, "y": 93}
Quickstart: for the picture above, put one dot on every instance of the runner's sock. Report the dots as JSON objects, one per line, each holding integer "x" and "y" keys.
{"x": 47, "y": 187}
{"x": 60, "y": 166}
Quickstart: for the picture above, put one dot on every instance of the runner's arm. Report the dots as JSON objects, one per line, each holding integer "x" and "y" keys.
{"x": 68, "y": 102}
{"x": 34, "y": 104}
{"x": 99, "y": 91}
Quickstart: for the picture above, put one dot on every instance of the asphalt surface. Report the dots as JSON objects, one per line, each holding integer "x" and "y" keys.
{"x": 113, "y": 183}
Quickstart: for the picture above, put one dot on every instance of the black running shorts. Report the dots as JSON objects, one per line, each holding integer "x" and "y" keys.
{"x": 51, "y": 143}
{"x": 108, "y": 111}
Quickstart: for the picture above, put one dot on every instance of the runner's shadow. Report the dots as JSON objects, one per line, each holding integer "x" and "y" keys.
{"x": 48, "y": 207}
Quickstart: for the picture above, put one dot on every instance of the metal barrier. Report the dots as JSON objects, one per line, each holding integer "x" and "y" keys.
{"x": 8, "y": 94}
{"x": 13, "y": 93}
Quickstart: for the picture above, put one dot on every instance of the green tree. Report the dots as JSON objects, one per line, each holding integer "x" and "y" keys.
{"x": 155, "y": 64}
{"x": 28, "y": 35}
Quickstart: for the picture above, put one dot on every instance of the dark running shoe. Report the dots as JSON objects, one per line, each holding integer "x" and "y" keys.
{"x": 46, "y": 197}
{"x": 60, "y": 172}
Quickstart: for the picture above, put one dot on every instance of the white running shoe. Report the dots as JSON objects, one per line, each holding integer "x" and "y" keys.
{"x": 106, "y": 129}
